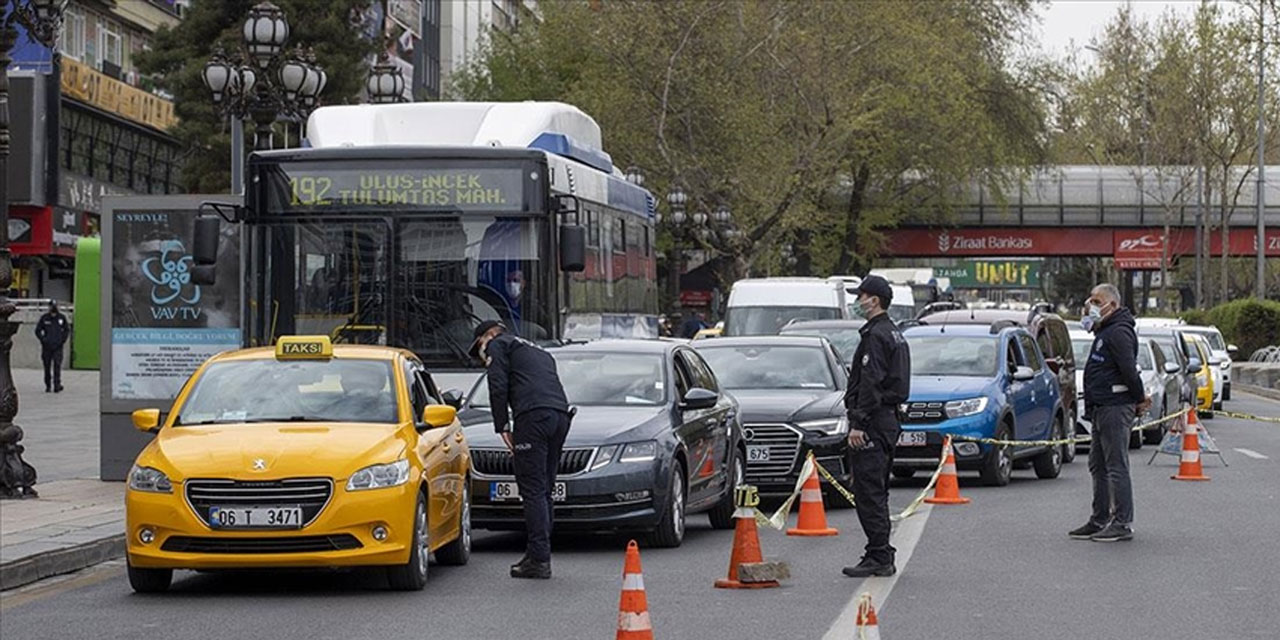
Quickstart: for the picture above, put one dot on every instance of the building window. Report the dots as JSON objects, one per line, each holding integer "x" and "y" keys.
{"x": 72, "y": 41}
{"x": 111, "y": 43}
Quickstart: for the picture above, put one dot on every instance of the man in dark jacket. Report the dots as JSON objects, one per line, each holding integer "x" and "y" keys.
{"x": 1113, "y": 397}
{"x": 879, "y": 382}
{"x": 523, "y": 376}
{"x": 52, "y": 330}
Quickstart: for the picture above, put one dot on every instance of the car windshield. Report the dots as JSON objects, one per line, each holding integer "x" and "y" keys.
{"x": 1212, "y": 337}
{"x": 844, "y": 339}
{"x": 602, "y": 379}
{"x": 337, "y": 390}
{"x": 769, "y": 367}
{"x": 941, "y": 355}
{"x": 757, "y": 321}
{"x": 1081, "y": 349}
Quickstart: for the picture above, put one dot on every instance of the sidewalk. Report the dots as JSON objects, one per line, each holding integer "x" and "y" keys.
{"x": 78, "y": 520}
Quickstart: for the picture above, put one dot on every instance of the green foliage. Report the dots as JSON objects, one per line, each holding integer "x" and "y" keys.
{"x": 178, "y": 56}
{"x": 1250, "y": 324}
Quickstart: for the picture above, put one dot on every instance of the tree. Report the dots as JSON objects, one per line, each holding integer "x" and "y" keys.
{"x": 178, "y": 55}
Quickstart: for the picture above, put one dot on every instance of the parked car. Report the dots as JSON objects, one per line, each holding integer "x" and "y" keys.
{"x": 654, "y": 440}
{"x": 1170, "y": 346}
{"x": 844, "y": 335}
{"x": 1207, "y": 377}
{"x": 790, "y": 390}
{"x": 984, "y": 382}
{"x": 1223, "y": 352}
{"x": 1049, "y": 331}
{"x": 1198, "y": 369}
{"x": 1161, "y": 379}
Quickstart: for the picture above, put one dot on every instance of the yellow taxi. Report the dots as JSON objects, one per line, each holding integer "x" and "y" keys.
{"x": 302, "y": 455}
{"x": 711, "y": 332}
{"x": 1205, "y": 379}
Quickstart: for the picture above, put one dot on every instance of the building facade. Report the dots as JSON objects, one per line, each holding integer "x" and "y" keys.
{"x": 464, "y": 24}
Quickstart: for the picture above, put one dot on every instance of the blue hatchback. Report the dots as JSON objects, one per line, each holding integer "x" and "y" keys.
{"x": 987, "y": 382}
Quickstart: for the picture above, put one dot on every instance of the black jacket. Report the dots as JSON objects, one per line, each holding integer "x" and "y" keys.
{"x": 880, "y": 377}
{"x": 522, "y": 375}
{"x": 53, "y": 330}
{"x": 1111, "y": 376}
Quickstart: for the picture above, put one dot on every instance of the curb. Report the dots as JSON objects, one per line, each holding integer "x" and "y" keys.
{"x": 1271, "y": 394}
{"x": 52, "y": 563}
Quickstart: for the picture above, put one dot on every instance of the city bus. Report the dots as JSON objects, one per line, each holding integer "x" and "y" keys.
{"x": 409, "y": 224}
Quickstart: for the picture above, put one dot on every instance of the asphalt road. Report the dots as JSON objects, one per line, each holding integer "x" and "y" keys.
{"x": 1203, "y": 566}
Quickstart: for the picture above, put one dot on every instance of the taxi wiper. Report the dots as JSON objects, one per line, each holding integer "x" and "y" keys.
{"x": 289, "y": 419}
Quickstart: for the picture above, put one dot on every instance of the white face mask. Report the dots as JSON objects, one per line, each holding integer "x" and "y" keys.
{"x": 514, "y": 289}
{"x": 1095, "y": 312}
{"x": 866, "y": 304}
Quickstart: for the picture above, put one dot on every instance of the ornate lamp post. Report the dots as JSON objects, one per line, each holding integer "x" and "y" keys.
{"x": 385, "y": 83}
{"x": 43, "y": 21}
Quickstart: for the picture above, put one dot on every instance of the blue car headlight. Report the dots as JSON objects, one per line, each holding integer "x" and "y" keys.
{"x": 962, "y": 408}
{"x": 829, "y": 426}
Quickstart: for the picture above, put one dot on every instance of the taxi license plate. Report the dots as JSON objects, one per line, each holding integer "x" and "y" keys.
{"x": 757, "y": 453}
{"x": 510, "y": 492}
{"x": 274, "y": 517}
{"x": 912, "y": 439}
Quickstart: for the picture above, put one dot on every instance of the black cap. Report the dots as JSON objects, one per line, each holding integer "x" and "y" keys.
{"x": 876, "y": 286}
{"x": 482, "y": 329}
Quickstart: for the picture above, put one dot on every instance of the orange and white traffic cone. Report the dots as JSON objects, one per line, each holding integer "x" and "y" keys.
{"x": 813, "y": 516}
{"x": 866, "y": 626}
{"x": 633, "y": 610}
{"x": 1190, "y": 467}
{"x": 746, "y": 547}
{"x": 948, "y": 489}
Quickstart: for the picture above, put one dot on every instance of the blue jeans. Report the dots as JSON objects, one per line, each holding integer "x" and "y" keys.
{"x": 1109, "y": 465}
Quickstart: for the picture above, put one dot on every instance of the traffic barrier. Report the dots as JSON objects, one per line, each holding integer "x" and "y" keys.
{"x": 633, "y": 608}
{"x": 867, "y": 626}
{"x": 948, "y": 491}
{"x": 1190, "y": 468}
{"x": 746, "y": 541}
{"x": 813, "y": 516}
{"x": 912, "y": 507}
{"x": 1069, "y": 440}
{"x": 1244, "y": 416}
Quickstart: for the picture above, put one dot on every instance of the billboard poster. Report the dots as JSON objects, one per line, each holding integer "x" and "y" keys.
{"x": 163, "y": 325}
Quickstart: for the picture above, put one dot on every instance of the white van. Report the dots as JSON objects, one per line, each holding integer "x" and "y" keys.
{"x": 901, "y": 308}
{"x": 763, "y": 306}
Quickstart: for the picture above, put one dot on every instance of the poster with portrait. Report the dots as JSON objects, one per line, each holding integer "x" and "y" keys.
{"x": 163, "y": 325}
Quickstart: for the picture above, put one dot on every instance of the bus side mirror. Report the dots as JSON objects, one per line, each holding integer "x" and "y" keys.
{"x": 204, "y": 249}
{"x": 573, "y": 248}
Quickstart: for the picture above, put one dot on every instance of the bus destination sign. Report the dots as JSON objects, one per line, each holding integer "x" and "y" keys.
{"x": 455, "y": 189}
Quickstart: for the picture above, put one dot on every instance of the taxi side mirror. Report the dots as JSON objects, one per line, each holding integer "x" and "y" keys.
{"x": 147, "y": 420}
{"x": 438, "y": 415}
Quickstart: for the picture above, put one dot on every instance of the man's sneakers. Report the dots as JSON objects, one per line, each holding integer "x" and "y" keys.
{"x": 529, "y": 568}
{"x": 1113, "y": 533}
{"x": 1086, "y": 532}
{"x": 868, "y": 567}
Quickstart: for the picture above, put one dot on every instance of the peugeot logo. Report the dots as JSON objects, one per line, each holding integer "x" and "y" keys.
{"x": 259, "y": 464}
{"x": 749, "y": 434}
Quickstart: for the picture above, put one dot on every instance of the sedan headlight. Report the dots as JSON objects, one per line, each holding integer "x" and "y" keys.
{"x": 380, "y": 476}
{"x": 604, "y": 456}
{"x": 962, "y": 408}
{"x": 1226, "y": 364}
{"x": 830, "y": 426}
{"x": 639, "y": 451}
{"x": 148, "y": 479}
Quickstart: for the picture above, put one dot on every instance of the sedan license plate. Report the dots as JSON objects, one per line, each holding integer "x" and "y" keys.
{"x": 274, "y": 517}
{"x": 912, "y": 439}
{"x": 510, "y": 492}
{"x": 757, "y": 453}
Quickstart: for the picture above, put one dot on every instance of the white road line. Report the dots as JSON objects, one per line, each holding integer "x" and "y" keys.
{"x": 1252, "y": 454}
{"x": 905, "y": 537}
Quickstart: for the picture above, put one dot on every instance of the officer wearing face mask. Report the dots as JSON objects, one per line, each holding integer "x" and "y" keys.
{"x": 522, "y": 376}
{"x": 879, "y": 382}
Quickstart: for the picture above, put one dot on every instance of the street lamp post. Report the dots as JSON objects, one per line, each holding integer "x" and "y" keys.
{"x": 43, "y": 22}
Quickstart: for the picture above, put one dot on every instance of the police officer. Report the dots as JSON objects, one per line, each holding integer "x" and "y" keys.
{"x": 523, "y": 376}
{"x": 52, "y": 330}
{"x": 879, "y": 382}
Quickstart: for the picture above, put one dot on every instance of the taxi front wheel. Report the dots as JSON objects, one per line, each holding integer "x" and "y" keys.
{"x": 150, "y": 580}
{"x": 412, "y": 576}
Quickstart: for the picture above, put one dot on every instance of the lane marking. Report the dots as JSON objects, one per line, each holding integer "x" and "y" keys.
{"x": 1252, "y": 454}
{"x": 905, "y": 537}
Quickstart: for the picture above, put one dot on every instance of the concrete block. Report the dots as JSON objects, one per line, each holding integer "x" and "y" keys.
{"x": 763, "y": 571}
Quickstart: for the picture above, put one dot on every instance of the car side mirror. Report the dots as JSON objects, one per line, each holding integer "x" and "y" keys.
{"x": 573, "y": 248}
{"x": 1232, "y": 349}
{"x": 1171, "y": 367}
{"x": 1194, "y": 366}
{"x": 1023, "y": 374}
{"x": 147, "y": 420}
{"x": 699, "y": 398}
{"x": 453, "y": 398}
{"x": 438, "y": 415}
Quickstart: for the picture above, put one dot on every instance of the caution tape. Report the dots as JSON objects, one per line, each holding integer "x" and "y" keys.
{"x": 779, "y": 518}
{"x": 1244, "y": 416}
{"x": 1061, "y": 441}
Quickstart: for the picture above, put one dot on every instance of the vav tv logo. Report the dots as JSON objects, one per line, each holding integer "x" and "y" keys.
{"x": 170, "y": 277}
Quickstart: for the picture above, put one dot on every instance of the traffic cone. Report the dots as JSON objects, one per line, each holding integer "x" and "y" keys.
{"x": 948, "y": 489}
{"x": 866, "y": 626}
{"x": 813, "y": 517}
{"x": 1190, "y": 468}
{"x": 746, "y": 546}
{"x": 633, "y": 610}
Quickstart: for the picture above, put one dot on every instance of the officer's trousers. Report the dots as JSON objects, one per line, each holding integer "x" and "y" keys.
{"x": 539, "y": 438}
{"x": 871, "y": 467}
{"x": 52, "y": 359}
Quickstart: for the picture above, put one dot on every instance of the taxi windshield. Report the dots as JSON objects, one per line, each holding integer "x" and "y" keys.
{"x": 336, "y": 390}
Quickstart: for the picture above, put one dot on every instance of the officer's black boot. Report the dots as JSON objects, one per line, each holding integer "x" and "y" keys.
{"x": 870, "y": 567}
{"x": 530, "y": 568}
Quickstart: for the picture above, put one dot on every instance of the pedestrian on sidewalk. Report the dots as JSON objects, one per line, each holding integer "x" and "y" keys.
{"x": 523, "y": 375}
{"x": 879, "y": 382}
{"x": 1113, "y": 397}
{"x": 52, "y": 330}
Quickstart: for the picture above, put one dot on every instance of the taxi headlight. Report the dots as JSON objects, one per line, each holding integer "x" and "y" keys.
{"x": 148, "y": 479}
{"x": 639, "y": 451}
{"x": 830, "y": 426}
{"x": 380, "y": 476}
{"x": 962, "y": 408}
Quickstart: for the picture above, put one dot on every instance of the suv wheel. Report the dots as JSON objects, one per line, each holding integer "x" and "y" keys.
{"x": 670, "y": 531}
{"x": 1049, "y": 464}
{"x": 1226, "y": 392}
{"x": 998, "y": 466}
{"x": 721, "y": 515}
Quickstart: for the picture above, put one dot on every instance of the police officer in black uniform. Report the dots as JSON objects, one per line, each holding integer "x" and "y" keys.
{"x": 52, "y": 330}
{"x": 879, "y": 382}
{"x": 523, "y": 376}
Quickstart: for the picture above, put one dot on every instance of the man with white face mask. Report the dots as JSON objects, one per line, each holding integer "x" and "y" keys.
{"x": 1113, "y": 396}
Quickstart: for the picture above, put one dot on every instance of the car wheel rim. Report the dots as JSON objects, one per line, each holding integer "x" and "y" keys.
{"x": 424, "y": 547}
{"x": 466, "y": 517}
{"x": 677, "y": 506}
{"x": 739, "y": 474}
{"x": 1057, "y": 453}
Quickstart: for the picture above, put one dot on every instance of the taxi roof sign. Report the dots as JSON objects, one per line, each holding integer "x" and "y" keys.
{"x": 304, "y": 348}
